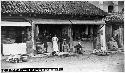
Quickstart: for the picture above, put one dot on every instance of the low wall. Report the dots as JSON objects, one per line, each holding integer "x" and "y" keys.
{"x": 15, "y": 48}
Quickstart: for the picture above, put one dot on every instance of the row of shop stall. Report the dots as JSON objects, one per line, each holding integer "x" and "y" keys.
{"x": 91, "y": 34}
{"x": 27, "y": 25}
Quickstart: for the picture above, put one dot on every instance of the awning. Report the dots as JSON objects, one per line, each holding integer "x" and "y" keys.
{"x": 6, "y": 23}
{"x": 98, "y": 22}
{"x": 52, "y": 21}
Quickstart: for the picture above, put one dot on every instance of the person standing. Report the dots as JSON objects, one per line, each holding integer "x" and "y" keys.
{"x": 44, "y": 40}
{"x": 55, "y": 44}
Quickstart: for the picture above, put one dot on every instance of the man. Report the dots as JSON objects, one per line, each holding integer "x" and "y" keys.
{"x": 45, "y": 41}
{"x": 55, "y": 44}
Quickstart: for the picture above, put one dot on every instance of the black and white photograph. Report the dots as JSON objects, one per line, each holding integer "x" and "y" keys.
{"x": 62, "y": 36}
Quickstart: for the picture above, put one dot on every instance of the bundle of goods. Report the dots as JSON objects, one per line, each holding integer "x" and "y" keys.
{"x": 100, "y": 52}
{"x": 17, "y": 58}
{"x": 54, "y": 53}
{"x": 24, "y": 57}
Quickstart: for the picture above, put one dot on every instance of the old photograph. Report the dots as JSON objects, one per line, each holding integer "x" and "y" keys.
{"x": 65, "y": 36}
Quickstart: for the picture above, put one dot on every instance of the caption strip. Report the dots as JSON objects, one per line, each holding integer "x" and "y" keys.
{"x": 32, "y": 69}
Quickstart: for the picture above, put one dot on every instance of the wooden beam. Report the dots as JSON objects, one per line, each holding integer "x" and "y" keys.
{"x": 55, "y": 21}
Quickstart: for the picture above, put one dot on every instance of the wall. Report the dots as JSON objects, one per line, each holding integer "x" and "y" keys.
{"x": 96, "y": 3}
{"x": 121, "y": 6}
{"x": 102, "y": 37}
{"x": 108, "y": 33}
{"x": 107, "y": 3}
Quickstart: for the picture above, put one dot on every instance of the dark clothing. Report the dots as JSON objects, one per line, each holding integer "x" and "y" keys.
{"x": 78, "y": 49}
{"x": 78, "y": 46}
{"x": 65, "y": 37}
{"x": 45, "y": 44}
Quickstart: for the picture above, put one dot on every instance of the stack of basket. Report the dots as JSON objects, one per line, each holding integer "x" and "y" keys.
{"x": 17, "y": 58}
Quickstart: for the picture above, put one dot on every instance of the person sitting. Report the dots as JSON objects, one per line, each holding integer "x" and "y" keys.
{"x": 78, "y": 48}
{"x": 112, "y": 45}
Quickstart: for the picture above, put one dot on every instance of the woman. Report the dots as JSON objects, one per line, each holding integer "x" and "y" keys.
{"x": 55, "y": 44}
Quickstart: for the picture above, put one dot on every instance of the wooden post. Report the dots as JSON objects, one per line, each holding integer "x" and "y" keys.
{"x": 111, "y": 31}
{"x": 28, "y": 33}
{"x": 33, "y": 37}
{"x": 70, "y": 35}
{"x": 91, "y": 29}
{"x": 120, "y": 36}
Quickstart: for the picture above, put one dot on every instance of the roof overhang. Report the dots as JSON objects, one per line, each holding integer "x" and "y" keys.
{"x": 6, "y": 23}
{"x": 51, "y": 21}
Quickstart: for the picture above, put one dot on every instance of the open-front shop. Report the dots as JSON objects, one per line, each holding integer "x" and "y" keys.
{"x": 69, "y": 33}
{"x": 72, "y": 22}
{"x": 115, "y": 31}
{"x": 14, "y": 36}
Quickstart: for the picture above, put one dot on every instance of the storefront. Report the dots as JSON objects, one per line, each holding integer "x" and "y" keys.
{"x": 14, "y": 36}
{"x": 76, "y": 21}
{"x": 73, "y": 31}
{"x": 115, "y": 30}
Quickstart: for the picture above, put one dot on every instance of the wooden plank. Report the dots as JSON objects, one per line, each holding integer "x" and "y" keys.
{"x": 7, "y": 23}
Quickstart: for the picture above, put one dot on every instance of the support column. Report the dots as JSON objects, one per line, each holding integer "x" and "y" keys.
{"x": 103, "y": 38}
{"x": 121, "y": 36}
{"x": 33, "y": 37}
{"x": 70, "y": 35}
{"x": 111, "y": 31}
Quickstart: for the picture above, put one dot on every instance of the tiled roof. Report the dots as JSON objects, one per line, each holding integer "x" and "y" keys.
{"x": 116, "y": 17}
{"x": 51, "y": 7}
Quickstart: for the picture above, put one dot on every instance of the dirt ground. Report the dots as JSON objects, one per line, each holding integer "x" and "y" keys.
{"x": 85, "y": 63}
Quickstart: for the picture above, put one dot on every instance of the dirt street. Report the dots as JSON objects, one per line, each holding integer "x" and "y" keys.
{"x": 85, "y": 63}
